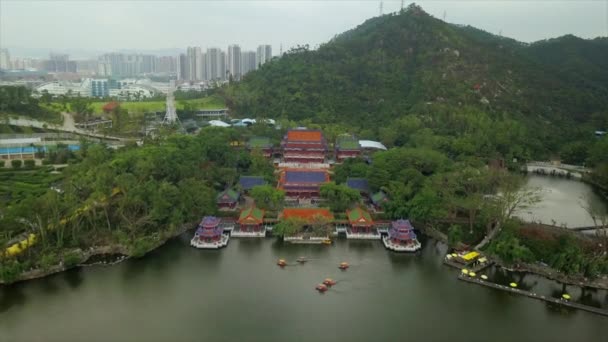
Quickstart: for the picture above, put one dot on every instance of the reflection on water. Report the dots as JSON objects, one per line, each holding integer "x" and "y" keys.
{"x": 562, "y": 202}
{"x": 239, "y": 293}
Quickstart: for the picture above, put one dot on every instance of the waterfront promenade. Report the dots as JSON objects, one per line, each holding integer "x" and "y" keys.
{"x": 529, "y": 294}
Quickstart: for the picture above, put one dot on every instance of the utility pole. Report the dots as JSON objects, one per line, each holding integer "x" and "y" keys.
{"x": 444, "y": 14}
{"x": 380, "y": 8}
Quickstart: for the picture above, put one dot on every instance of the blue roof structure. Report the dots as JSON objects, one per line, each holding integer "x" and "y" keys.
{"x": 402, "y": 230}
{"x": 305, "y": 176}
{"x": 248, "y": 182}
{"x": 358, "y": 184}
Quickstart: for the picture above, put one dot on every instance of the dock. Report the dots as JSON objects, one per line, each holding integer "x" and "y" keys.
{"x": 533, "y": 295}
{"x": 460, "y": 266}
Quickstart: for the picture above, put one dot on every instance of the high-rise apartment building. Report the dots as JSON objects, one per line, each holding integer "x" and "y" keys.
{"x": 59, "y": 63}
{"x": 215, "y": 64}
{"x": 167, "y": 64}
{"x": 248, "y": 64}
{"x": 5, "y": 59}
{"x": 234, "y": 62}
{"x": 182, "y": 67}
{"x": 194, "y": 59}
{"x": 126, "y": 65}
{"x": 264, "y": 54}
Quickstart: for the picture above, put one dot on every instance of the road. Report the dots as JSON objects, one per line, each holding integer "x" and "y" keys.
{"x": 68, "y": 126}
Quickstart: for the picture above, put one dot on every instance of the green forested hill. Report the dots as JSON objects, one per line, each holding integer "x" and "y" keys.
{"x": 411, "y": 64}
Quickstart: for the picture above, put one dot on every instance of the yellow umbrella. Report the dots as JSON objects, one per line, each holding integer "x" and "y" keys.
{"x": 465, "y": 271}
{"x": 484, "y": 277}
{"x": 513, "y": 284}
{"x": 566, "y": 296}
{"x": 471, "y": 274}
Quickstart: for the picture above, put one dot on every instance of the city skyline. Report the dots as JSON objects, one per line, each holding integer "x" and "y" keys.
{"x": 268, "y": 22}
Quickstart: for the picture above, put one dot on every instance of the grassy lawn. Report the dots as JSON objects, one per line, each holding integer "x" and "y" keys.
{"x": 159, "y": 106}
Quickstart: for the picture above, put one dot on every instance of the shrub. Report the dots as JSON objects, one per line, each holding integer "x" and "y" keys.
{"x": 2, "y": 163}
{"x": 47, "y": 162}
{"x": 29, "y": 164}
{"x": 10, "y": 270}
{"x": 16, "y": 163}
{"x": 48, "y": 260}
{"x": 71, "y": 259}
{"x": 141, "y": 246}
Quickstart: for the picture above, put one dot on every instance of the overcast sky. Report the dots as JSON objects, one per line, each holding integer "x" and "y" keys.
{"x": 116, "y": 24}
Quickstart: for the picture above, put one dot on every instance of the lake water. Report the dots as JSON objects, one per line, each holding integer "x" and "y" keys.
{"x": 178, "y": 293}
{"x": 562, "y": 202}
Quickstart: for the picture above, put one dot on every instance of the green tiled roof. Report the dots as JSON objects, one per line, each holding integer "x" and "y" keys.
{"x": 259, "y": 142}
{"x": 359, "y": 215}
{"x": 347, "y": 143}
{"x": 228, "y": 194}
{"x": 252, "y": 214}
{"x": 378, "y": 197}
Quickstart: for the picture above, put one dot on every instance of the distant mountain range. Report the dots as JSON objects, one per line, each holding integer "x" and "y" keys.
{"x": 411, "y": 62}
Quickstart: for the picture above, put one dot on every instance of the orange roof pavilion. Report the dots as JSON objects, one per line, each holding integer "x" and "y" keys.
{"x": 296, "y": 135}
{"x": 306, "y": 213}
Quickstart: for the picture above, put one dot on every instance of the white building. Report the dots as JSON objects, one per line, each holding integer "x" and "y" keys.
{"x": 263, "y": 55}
{"x": 5, "y": 59}
{"x": 233, "y": 63}
{"x": 58, "y": 88}
{"x": 194, "y": 64}
{"x": 248, "y": 62}
{"x": 132, "y": 92}
{"x": 215, "y": 64}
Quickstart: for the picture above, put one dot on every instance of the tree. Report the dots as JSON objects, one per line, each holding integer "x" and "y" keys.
{"x": 320, "y": 225}
{"x": 454, "y": 235}
{"x": 340, "y": 197}
{"x": 599, "y": 217}
{"x": 289, "y": 226}
{"x": 511, "y": 198}
{"x": 267, "y": 197}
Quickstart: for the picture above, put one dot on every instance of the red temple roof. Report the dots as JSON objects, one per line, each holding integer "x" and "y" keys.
{"x": 306, "y": 213}
{"x": 297, "y": 135}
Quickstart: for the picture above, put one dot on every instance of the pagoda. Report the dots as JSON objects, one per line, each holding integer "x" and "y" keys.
{"x": 209, "y": 234}
{"x": 401, "y": 237}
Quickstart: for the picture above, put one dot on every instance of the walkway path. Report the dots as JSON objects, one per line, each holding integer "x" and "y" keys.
{"x": 67, "y": 126}
{"x": 557, "y": 301}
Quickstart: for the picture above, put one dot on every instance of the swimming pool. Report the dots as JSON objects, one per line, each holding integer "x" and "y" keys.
{"x": 33, "y": 149}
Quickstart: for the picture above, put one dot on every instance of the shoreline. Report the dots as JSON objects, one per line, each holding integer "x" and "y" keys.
{"x": 116, "y": 249}
{"x": 546, "y": 272}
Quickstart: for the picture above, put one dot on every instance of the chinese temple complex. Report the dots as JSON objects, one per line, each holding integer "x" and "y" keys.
{"x": 304, "y": 146}
{"x": 302, "y": 183}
